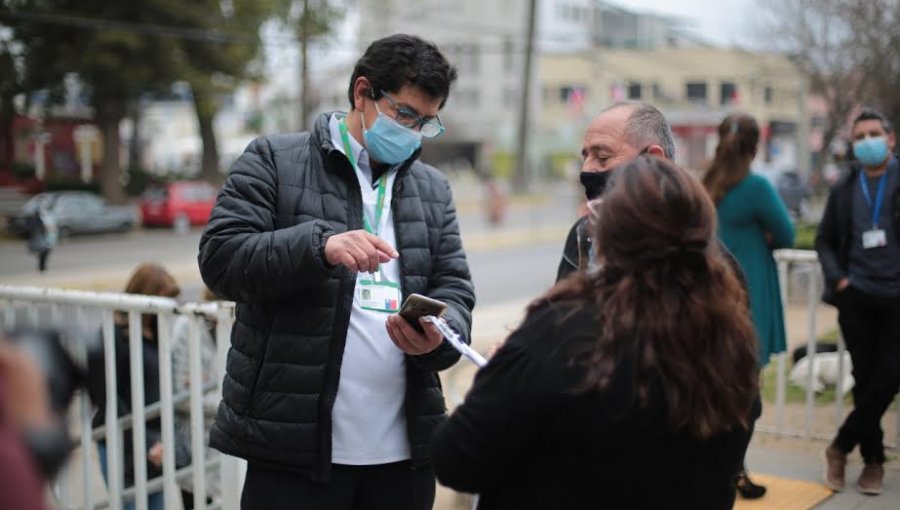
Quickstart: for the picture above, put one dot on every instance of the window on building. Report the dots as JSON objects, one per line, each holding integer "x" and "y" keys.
{"x": 768, "y": 95}
{"x": 696, "y": 91}
{"x": 728, "y": 93}
{"x": 634, "y": 90}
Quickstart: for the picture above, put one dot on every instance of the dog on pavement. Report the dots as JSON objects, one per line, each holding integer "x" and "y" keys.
{"x": 826, "y": 370}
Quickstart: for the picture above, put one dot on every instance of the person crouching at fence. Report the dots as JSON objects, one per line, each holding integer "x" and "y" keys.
{"x": 181, "y": 383}
{"x": 632, "y": 383}
{"x": 147, "y": 280}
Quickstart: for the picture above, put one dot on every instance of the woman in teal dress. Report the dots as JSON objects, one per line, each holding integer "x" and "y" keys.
{"x": 753, "y": 222}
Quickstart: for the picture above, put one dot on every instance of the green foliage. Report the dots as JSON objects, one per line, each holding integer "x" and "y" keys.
{"x": 71, "y": 185}
{"x": 23, "y": 170}
{"x": 136, "y": 181}
{"x": 805, "y": 237}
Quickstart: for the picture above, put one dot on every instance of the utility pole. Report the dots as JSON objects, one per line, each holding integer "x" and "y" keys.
{"x": 520, "y": 177}
{"x": 304, "y": 67}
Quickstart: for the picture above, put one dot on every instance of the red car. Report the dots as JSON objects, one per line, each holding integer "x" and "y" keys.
{"x": 178, "y": 204}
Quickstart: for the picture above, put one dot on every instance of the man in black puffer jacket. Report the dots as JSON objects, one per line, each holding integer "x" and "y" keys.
{"x": 318, "y": 236}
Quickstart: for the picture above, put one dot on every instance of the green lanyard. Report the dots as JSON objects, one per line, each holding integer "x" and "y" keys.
{"x": 382, "y": 184}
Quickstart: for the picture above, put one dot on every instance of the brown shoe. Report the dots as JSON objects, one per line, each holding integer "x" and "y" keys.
{"x": 870, "y": 479}
{"x": 835, "y": 463}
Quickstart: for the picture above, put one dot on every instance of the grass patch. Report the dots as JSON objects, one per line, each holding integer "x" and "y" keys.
{"x": 805, "y": 235}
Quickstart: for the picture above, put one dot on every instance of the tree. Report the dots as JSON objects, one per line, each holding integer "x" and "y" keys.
{"x": 217, "y": 67}
{"x": 816, "y": 34}
{"x": 847, "y": 50}
{"x": 114, "y": 61}
{"x": 875, "y": 29}
{"x": 312, "y": 21}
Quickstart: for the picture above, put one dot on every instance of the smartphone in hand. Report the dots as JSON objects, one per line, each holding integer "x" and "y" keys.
{"x": 417, "y": 305}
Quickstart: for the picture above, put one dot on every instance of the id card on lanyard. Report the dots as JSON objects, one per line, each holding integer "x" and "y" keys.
{"x": 376, "y": 294}
{"x": 875, "y": 237}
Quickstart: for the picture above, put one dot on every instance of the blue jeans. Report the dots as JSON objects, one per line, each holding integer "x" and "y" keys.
{"x": 155, "y": 501}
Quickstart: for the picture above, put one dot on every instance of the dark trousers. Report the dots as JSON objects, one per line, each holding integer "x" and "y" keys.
{"x": 393, "y": 486}
{"x": 871, "y": 329}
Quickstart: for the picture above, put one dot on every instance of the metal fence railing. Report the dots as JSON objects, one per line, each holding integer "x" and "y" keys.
{"x": 82, "y": 316}
{"x": 799, "y": 272}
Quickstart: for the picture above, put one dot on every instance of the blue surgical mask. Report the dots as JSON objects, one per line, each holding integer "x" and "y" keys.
{"x": 388, "y": 142}
{"x": 871, "y": 152}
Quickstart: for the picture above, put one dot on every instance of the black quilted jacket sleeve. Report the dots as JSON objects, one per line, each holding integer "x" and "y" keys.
{"x": 242, "y": 255}
{"x": 451, "y": 283}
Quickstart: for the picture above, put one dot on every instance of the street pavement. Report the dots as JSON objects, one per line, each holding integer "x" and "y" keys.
{"x": 511, "y": 264}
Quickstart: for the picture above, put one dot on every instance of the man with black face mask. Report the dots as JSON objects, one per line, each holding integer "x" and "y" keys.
{"x": 617, "y": 135}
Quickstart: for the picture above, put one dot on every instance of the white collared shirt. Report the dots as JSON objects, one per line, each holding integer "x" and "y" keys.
{"x": 368, "y": 418}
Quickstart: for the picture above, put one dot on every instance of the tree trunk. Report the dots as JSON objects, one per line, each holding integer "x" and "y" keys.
{"x": 6, "y": 138}
{"x": 135, "y": 145}
{"x": 109, "y": 115}
{"x": 206, "y": 113}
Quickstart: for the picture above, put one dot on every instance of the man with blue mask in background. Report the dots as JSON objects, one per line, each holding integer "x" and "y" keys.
{"x": 319, "y": 236}
{"x": 858, "y": 242}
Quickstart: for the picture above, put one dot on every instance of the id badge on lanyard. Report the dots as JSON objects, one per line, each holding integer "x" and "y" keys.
{"x": 875, "y": 237}
{"x": 376, "y": 294}
{"x": 379, "y": 296}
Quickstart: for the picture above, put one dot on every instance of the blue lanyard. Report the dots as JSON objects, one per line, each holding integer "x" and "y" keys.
{"x": 879, "y": 198}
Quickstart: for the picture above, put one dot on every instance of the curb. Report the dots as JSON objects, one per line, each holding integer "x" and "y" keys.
{"x": 187, "y": 273}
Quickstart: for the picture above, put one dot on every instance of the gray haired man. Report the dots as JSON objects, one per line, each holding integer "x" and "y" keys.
{"x": 618, "y": 134}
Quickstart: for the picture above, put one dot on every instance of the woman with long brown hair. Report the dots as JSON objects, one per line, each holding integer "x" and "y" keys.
{"x": 147, "y": 280}
{"x": 631, "y": 383}
{"x": 753, "y": 222}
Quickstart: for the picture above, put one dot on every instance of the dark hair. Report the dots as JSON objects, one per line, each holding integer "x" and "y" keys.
{"x": 667, "y": 294}
{"x": 872, "y": 114}
{"x": 738, "y": 138}
{"x": 149, "y": 280}
{"x": 646, "y": 125}
{"x": 400, "y": 59}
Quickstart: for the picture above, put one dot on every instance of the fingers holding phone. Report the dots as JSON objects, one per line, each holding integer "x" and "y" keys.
{"x": 410, "y": 341}
{"x": 407, "y": 330}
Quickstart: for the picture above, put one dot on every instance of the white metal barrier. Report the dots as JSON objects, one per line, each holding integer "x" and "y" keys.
{"x": 791, "y": 262}
{"x": 80, "y": 315}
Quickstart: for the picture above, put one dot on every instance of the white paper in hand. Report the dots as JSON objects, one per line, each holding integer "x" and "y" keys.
{"x": 454, "y": 340}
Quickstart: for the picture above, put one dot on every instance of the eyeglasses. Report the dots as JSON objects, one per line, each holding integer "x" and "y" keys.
{"x": 429, "y": 127}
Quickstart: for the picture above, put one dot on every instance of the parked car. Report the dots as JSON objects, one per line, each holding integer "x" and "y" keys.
{"x": 76, "y": 212}
{"x": 790, "y": 187}
{"x": 794, "y": 192}
{"x": 179, "y": 204}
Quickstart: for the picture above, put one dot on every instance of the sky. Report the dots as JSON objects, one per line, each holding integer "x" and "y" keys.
{"x": 723, "y": 22}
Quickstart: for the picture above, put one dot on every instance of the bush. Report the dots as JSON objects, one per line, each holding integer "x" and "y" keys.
{"x": 136, "y": 180}
{"x": 71, "y": 185}
{"x": 23, "y": 171}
